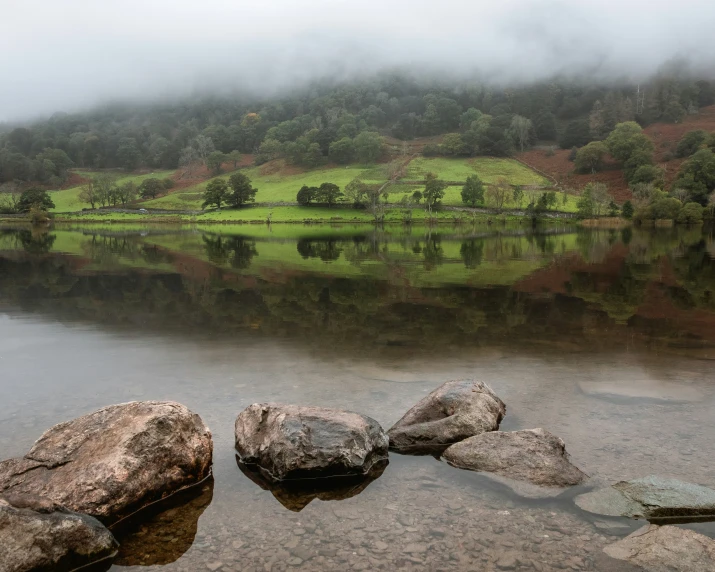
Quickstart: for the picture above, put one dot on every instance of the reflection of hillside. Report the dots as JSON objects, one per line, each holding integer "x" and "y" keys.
{"x": 586, "y": 290}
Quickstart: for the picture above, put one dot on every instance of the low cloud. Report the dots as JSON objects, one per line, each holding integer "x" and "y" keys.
{"x": 65, "y": 56}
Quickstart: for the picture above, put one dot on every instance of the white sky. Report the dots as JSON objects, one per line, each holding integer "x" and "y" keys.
{"x": 62, "y": 55}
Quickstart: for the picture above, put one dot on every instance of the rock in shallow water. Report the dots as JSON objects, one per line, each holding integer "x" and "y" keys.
{"x": 652, "y": 498}
{"x": 114, "y": 461}
{"x": 535, "y": 456}
{"x": 50, "y": 537}
{"x": 298, "y": 442}
{"x": 666, "y": 549}
{"x": 453, "y": 412}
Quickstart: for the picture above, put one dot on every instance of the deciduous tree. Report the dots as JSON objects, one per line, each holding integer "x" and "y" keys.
{"x": 216, "y": 193}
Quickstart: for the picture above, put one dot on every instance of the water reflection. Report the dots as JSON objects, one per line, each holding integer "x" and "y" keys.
{"x": 297, "y": 494}
{"x": 161, "y": 534}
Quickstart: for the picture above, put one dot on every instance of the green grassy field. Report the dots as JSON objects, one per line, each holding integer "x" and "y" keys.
{"x": 489, "y": 170}
{"x": 274, "y": 187}
{"x": 67, "y": 200}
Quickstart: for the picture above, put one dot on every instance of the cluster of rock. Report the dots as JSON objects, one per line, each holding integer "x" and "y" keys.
{"x": 83, "y": 477}
{"x": 88, "y": 474}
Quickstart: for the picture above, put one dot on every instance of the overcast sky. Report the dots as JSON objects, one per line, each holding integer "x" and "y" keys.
{"x": 65, "y": 55}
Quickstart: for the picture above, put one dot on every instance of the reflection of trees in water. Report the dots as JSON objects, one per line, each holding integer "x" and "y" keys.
{"x": 35, "y": 242}
{"x": 327, "y": 250}
{"x": 432, "y": 252}
{"x": 472, "y": 252}
{"x": 236, "y": 250}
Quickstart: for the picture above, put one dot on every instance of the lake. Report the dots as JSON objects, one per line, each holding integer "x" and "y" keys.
{"x": 606, "y": 338}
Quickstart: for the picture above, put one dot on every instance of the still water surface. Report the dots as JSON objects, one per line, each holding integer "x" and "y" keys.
{"x": 605, "y": 338}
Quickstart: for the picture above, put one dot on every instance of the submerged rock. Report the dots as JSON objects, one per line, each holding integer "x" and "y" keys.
{"x": 165, "y": 532}
{"x": 453, "y": 412}
{"x": 38, "y": 535}
{"x": 297, "y": 442}
{"x": 666, "y": 549}
{"x": 297, "y": 494}
{"x": 534, "y": 456}
{"x": 651, "y": 498}
{"x": 115, "y": 461}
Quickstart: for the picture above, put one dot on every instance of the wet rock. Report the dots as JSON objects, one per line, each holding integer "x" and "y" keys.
{"x": 453, "y": 412}
{"x": 296, "y": 442}
{"x": 665, "y": 549}
{"x": 115, "y": 461}
{"x": 43, "y": 536}
{"x": 534, "y": 456}
{"x": 295, "y": 495}
{"x": 651, "y": 498}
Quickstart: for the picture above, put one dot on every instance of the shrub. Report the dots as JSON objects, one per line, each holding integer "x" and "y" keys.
{"x": 168, "y": 183}
{"x": 691, "y": 142}
{"x": 691, "y": 213}
{"x": 627, "y": 210}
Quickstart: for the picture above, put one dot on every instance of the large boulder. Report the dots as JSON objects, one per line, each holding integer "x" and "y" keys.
{"x": 38, "y": 535}
{"x": 453, "y": 412}
{"x": 650, "y": 498}
{"x": 534, "y": 456}
{"x": 115, "y": 461}
{"x": 665, "y": 549}
{"x": 296, "y": 442}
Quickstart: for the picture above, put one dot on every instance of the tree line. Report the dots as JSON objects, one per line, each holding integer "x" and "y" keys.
{"x": 341, "y": 123}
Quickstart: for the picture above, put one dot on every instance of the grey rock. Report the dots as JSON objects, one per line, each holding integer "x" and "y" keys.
{"x": 534, "y": 456}
{"x": 651, "y": 498}
{"x": 453, "y": 412}
{"x": 666, "y": 549}
{"x": 115, "y": 461}
{"x": 49, "y": 537}
{"x": 297, "y": 442}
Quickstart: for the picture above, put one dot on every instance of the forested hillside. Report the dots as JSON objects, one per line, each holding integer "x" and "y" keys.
{"x": 341, "y": 124}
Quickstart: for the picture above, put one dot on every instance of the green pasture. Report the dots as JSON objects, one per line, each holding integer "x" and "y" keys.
{"x": 487, "y": 168}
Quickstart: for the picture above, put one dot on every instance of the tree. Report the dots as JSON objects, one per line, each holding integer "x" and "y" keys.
{"x": 473, "y": 191}
{"x": 368, "y": 146}
{"x": 104, "y": 186}
{"x": 697, "y": 175}
{"x": 691, "y": 142}
{"x": 691, "y": 213}
{"x": 589, "y": 159}
{"x": 646, "y": 174}
{"x": 34, "y": 199}
{"x": 593, "y": 200}
{"x": 576, "y": 134}
{"x": 88, "y": 194}
{"x": 151, "y": 188}
{"x": 342, "y": 151}
{"x": 521, "y": 129}
{"x": 518, "y": 195}
{"x": 306, "y": 195}
{"x": 235, "y": 157}
{"x": 356, "y": 192}
{"x": 329, "y": 193}
{"x": 127, "y": 192}
{"x": 626, "y": 139}
{"x": 434, "y": 191}
{"x": 498, "y": 193}
{"x": 216, "y": 193}
{"x": 665, "y": 208}
{"x": 241, "y": 190}
{"x": 204, "y": 147}
{"x": 128, "y": 153}
{"x": 627, "y": 210}
{"x": 189, "y": 158}
{"x": 452, "y": 144}
{"x": 214, "y": 160}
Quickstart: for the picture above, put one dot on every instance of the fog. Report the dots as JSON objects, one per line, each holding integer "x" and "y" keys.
{"x": 65, "y": 56}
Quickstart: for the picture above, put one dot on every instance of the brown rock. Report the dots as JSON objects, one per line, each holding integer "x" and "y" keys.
{"x": 115, "y": 461}
{"x": 535, "y": 456}
{"x": 50, "y": 538}
{"x": 666, "y": 549}
{"x": 297, "y": 442}
{"x": 453, "y": 412}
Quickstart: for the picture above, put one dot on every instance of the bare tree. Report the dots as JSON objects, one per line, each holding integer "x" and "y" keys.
{"x": 498, "y": 193}
{"x": 88, "y": 194}
{"x": 682, "y": 195}
{"x": 189, "y": 158}
{"x": 204, "y": 147}
{"x": 521, "y": 128}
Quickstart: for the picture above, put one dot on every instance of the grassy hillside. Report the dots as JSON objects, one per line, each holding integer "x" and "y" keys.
{"x": 489, "y": 170}
{"x": 67, "y": 200}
